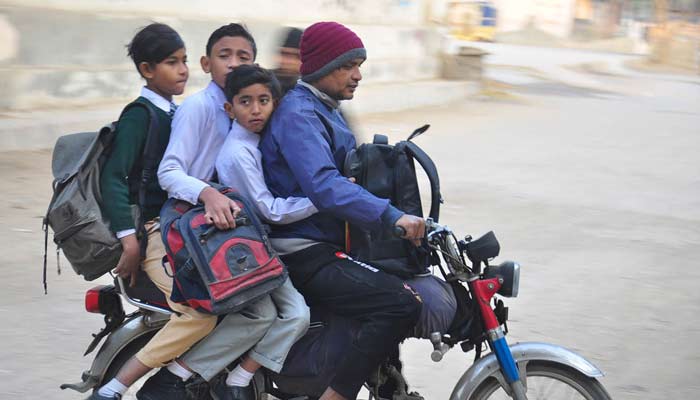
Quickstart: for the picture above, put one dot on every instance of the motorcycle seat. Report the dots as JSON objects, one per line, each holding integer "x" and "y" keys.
{"x": 145, "y": 291}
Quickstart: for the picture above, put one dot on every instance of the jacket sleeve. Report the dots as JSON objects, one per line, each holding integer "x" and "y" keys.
{"x": 114, "y": 178}
{"x": 303, "y": 142}
{"x": 174, "y": 170}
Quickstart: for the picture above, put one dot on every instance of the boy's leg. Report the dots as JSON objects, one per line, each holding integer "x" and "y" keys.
{"x": 178, "y": 334}
{"x": 234, "y": 336}
{"x": 183, "y": 330}
{"x": 290, "y": 324}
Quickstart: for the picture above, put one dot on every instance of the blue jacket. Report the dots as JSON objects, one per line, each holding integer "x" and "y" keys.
{"x": 303, "y": 150}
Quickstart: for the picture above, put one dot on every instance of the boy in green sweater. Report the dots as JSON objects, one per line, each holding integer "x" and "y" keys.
{"x": 159, "y": 55}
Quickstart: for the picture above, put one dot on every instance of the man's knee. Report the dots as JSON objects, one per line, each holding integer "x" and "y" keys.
{"x": 410, "y": 304}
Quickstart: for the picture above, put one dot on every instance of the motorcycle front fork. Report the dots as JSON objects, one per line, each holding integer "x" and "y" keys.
{"x": 509, "y": 368}
{"x": 484, "y": 290}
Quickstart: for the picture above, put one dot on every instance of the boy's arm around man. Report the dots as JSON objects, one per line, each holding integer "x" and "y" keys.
{"x": 239, "y": 166}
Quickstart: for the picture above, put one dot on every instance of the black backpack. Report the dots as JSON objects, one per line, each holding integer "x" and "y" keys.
{"x": 389, "y": 172}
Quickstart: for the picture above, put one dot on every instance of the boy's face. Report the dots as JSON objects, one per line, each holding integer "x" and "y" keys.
{"x": 251, "y": 107}
{"x": 341, "y": 83}
{"x": 168, "y": 77}
{"x": 226, "y": 54}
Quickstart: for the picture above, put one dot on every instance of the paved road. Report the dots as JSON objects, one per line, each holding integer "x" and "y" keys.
{"x": 594, "y": 188}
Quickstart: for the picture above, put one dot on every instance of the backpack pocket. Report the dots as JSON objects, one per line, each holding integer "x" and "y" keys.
{"x": 91, "y": 249}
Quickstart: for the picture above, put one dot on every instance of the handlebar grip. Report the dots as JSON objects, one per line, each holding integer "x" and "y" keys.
{"x": 399, "y": 231}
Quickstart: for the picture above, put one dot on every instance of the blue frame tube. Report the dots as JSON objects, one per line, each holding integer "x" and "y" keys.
{"x": 505, "y": 359}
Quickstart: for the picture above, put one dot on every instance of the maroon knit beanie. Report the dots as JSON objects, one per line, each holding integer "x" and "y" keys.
{"x": 326, "y": 46}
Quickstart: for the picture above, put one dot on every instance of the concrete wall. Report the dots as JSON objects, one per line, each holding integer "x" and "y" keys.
{"x": 66, "y": 53}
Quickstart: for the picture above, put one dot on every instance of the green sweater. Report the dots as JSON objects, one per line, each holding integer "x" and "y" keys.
{"x": 124, "y": 164}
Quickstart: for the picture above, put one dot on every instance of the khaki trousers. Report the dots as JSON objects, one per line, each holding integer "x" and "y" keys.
{"x": 181, "y": 331}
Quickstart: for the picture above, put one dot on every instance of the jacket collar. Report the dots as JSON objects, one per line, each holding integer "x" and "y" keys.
{"x": 325, "y": 99}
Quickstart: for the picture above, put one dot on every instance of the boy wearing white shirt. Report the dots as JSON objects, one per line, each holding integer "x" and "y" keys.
{"x": 159, "y": 55}
{"x": 252, "y": 92}
{"x": 261, "y": 331}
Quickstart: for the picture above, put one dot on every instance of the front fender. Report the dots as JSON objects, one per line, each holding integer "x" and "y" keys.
{"x": 131, "y": 330}
{"x": 488, "y": 366}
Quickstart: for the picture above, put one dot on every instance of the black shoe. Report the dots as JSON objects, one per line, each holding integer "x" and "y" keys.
{"x": 97, "y": 396}
{"x": 164, "y": 385}
{"x": 221, "y": 391}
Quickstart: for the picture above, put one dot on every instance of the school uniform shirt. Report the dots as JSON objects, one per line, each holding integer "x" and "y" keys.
{"x": 239, "y": 165}
{"x": 117, "y": 194}
{"x": 200, "y": 127}
{"x": 303, "y": 150}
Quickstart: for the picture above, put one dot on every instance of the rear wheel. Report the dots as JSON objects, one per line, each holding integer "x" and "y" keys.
{"x": 546, "y": 380}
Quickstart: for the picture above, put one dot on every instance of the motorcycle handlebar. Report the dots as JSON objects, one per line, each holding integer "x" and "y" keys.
{"x": 430, "y": 226}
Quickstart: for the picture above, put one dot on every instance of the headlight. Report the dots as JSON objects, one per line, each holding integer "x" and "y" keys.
{"x": 508, "y": 273}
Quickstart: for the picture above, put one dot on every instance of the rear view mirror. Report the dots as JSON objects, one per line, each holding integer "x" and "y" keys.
{"x": 483, "y": 248}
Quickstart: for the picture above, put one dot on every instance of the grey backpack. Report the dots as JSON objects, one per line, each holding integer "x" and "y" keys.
{"x": 74, "y": 214}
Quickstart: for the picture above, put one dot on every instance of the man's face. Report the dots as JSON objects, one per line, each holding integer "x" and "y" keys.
{"x": 226, "y": 54}
{"x": 341, "y": 83}
{"x": 289, "y": 61}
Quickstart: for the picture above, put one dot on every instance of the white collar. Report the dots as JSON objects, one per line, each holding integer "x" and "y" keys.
{"x": 157, "y": 100}
{"x": 239, "y": 132}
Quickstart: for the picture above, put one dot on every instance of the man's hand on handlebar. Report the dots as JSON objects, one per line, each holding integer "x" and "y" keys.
{"x": 413, "y": 228}
{"x": 220, "y": 210}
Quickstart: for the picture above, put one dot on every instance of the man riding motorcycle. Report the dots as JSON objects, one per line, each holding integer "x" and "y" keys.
{"x": 303, "y": 148}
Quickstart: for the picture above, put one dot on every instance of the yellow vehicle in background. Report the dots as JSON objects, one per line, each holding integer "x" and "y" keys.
{"x": 471, "y": 20}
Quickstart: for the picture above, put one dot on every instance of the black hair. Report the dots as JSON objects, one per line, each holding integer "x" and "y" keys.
{"x": 153, "y": 44}
{"x": 246, "y": 75}
{"x": 233, "y": 30}
{"x": 292, "y": 38}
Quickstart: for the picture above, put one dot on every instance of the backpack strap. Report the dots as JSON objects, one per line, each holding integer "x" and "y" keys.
{"x": 424, "y": 160}
{"x": 149, "y": 167}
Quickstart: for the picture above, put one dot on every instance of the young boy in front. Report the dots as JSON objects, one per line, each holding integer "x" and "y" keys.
{"x": 252, "y": 93}
{"x": 159, "y": 55}
{"x": 265, "y": 330}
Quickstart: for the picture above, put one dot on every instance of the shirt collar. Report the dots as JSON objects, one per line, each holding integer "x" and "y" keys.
{"x": 243, "y": 134}
{"x": 217, "y": 94}
{"x": 157, "y": 100}
{"x": 326, "y": 99}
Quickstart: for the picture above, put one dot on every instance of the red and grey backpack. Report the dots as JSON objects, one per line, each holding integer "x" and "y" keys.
{"x": 218, "y": 271}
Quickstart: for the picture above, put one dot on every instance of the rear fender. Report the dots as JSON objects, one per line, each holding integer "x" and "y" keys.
{"x": 131, "y": 330}
{"x": 522, "y": 352}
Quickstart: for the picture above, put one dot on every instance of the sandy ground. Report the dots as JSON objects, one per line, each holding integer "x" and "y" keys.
{"x": 591, "y": 182}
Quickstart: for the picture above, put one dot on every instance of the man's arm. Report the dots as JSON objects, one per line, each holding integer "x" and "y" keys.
{"x": 307, "y": 152}
{"x": 241, "y": 169}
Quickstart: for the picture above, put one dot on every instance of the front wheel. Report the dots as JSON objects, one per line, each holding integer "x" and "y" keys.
{"x": 546, "y": 380}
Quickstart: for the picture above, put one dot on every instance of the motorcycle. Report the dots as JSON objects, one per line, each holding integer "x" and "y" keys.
{"x": 521, "y": 371}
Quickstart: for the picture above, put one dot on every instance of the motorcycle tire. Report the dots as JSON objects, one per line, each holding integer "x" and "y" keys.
{"x": 547, "y": 380}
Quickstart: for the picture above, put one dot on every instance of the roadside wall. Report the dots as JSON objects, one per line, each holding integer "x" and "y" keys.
{"x": 66, "y": 53}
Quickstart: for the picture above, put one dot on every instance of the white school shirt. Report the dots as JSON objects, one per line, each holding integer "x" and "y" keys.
{"x": 199, "y": 129}
{"x": 239, "y": 165}
{"x": 165, "y": 105}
